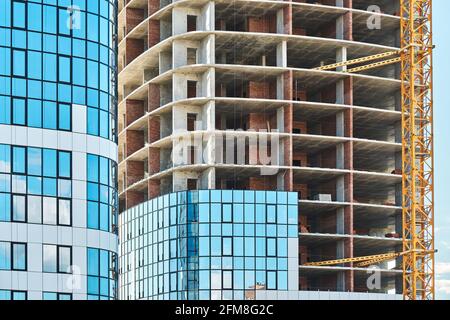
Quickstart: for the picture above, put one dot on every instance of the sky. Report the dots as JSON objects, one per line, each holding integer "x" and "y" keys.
{"x": 441, "y": 34}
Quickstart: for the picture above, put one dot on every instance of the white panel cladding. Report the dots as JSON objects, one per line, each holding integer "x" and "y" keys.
{"x": 19, "y": 280}
{"x": 50, "y": 282}
{"x": 79, "y": 166}
{"x": 35, "y": 137}
{"x": 323, "y": 295}
{"x": 64, "y": 140}
{"x": 35, "y": 280}
{"x": 34, "y": 258}
{"x": 53, "y": 139}
{"x": 19, "y": 135}
{"x": 35, "y": 233}
{"x": 79, "y": 189}
{"x": 79, "y": 142}
{"x": 79, "y": 213}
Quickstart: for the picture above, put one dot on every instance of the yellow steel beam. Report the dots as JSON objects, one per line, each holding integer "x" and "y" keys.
{"x": 375, "y": 65}
{"x": 385, "y": 256}
{"x": 417, "y": 141}
{"x": 358, "y": 61}
{"x": 376, "y": 261}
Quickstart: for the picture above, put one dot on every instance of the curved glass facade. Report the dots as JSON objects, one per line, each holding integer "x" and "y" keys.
{"x": 53, "y": 54}
{"x": 211, "y": 244}
{"x": 58, "y": 150}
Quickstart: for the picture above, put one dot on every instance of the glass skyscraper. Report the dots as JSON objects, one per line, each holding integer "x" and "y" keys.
{"x": 58, "y": 149}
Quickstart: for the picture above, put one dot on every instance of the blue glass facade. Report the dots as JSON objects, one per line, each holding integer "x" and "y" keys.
{"x": 101, "y": 193}
{"x": 53, "y": 54}
{"x": 101, "y": 271}
{"x": 211, "y": 244}
{"x": 35, "y": 185}
{"x": 58, "y": 149}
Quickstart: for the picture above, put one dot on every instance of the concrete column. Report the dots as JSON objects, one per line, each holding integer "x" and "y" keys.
{"x": 280, "y": 21}
{"x": 208, "y": 83}
{"x": 208, "y": 179}
{"x": 207, "y": 50}
{"x": 207, "y": 17}
{"x": 179, "y": 53}
{"x": 282, "y": 55}
{"x": 340, "y": 189}
{"x": 209, "y": 116}
{"x": 179, "y": 20}
{"x": 179, "y": 86}
{"x": 340, "y": 254}
{"x": 340, "y": 156}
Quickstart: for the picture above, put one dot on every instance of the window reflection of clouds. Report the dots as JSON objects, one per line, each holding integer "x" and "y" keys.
{"x": 230, "y": 247}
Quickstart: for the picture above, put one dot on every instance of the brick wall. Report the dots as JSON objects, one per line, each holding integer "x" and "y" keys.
{"x": 134, "y": 47}
{"x": 133, "y": 198}
{"x": 134, "y": 16}
{"x": 154, "y": 32}
{"x": 154, "y": 100}
{"x": 266, "y": 24}
{"x": 328, "y": 158}
{"x": 262, "y": 183}
{"x": 154, "y": 160}
{"x": 302, "y": 189}
{"x": 300, "y": 125}
{"x": 154, "y": 133}
{"x": 154, "y": 189}
{"x": 300, "y": 156}
{"x": 135, "y": 172}
{"x": 153, "y": 6}
{"x": 262, "y": 90}
{"x": 134, "y": 141}
{"x": 134, "y": 110}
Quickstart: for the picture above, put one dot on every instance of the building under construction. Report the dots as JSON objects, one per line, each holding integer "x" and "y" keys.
{"x": 256, "y": 142}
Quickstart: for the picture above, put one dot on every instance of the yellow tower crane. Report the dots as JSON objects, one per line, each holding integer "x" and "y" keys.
{"x": 417, "y": 145}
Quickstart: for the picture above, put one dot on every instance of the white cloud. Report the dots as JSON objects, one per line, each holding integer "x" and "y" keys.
{"x": 443, "y": 286}
{"x": 442, "y": 268}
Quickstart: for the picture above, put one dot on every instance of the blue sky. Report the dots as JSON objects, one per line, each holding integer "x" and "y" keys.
{"x": 441, "y": 30}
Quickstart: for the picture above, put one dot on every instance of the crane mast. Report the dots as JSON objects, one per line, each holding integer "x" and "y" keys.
{"x": 416, "y": 59}
{"x": 417, "y": 143}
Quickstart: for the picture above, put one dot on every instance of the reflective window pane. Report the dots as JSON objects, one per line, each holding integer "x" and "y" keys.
{"x": 49, "y": 258}
{"x": 49, "y": 211}
{"x": 64, "y": 211}
{"x": 19, "y": 256}
{"x": 65, "y": 259}
{"x": 19, "y": 208}
{"x": 5, "y": 256}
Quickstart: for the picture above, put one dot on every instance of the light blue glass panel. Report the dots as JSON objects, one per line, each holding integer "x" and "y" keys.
{"x": 5, "y": 207}
{"x": 5, "y": 110}
{"x": 93, "y": 215}
{"x": 34, "y": 113}
{"x": 19, "y": 14}
{"x": 50, "y": 296}
{"x": 19, "y": 256}
{"x": 93, "y": 262}
{"x": 5, "y": 256}
{"x": 19, "y": 111}
{"x": 64, "y": 164}
{"x": 50, "y": 161}
{"x": 64, "y": 117}
{"x": 50, "y": 113}
{"x": 19, "y": 159}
